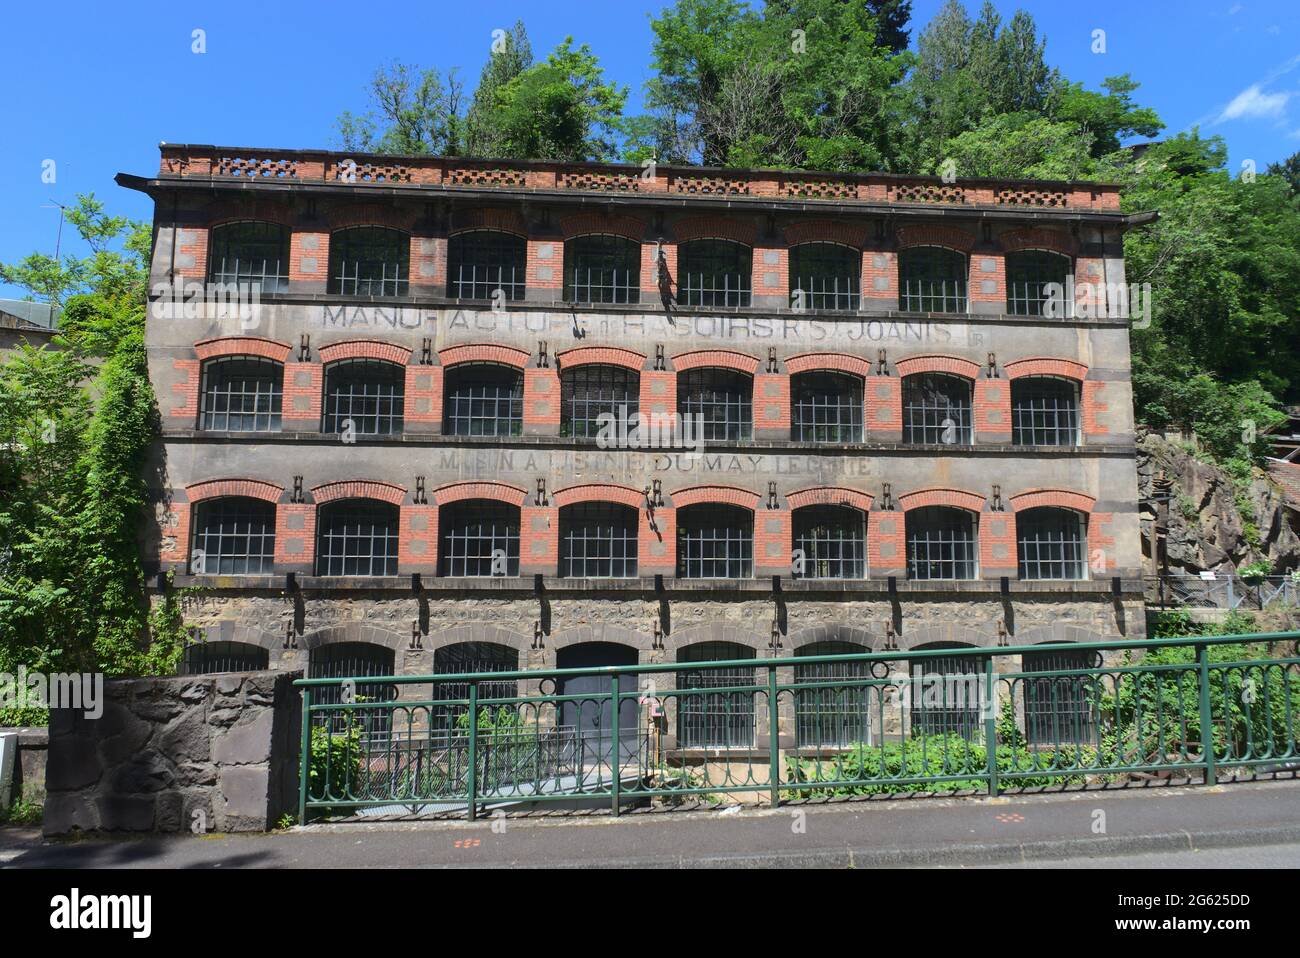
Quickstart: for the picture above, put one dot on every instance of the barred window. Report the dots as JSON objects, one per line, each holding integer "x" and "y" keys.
{"x": 366, "y": 394}
{"x": 370, "y": 261}
{"x": 357, "y": 537}
{"x": 242, "y": 394}
{"x": 940, "y": 543}
{"x": 353, "y": 660}
{"x": 946, "y": 699}
{"x": 832, "y": 541}
{"x": 464, "y": 658}
{"x": 1059, "y": 708}
{"x": 1050, "y": 543}
{"x": 483, "y": 399}
{"x": 714, "y": 272}
{"x": 587, "y": 392}
{"x": 250, "y": 252}
{"x": 828, "y": 275}
{"x": 1044, "y": 411}
{"x": 598, "y": 540}
{"x": 932, "y": 280}
{"x": 479, "y": 262}
{"x": 480, "y": 539}
{"x": 205, "y": 658}
{"x": 1028, "y": 274}
{"x": 602, "y": 269}
{"x": 721, "y": 398}
{"x": 233, "y": 535}
{"x": 715, "y": 542}
{"x": 715, "y": 719}
{"x": 837, "y": 715}
{"x": 937, "y": 409}
{"x": 827, "y": 407}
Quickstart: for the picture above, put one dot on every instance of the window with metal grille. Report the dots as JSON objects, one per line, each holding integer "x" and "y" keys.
{"x": 242, "y": 394}
{"x": 932, "y": 280}
{"x": 826, "y": 407}
{"x": 357, "y": 537}
{"x": 832, "y": 540}
{"x": 469, "y": 657}
{"x": 715, "y": 542}
{"x": 1060, "y": 709}
{"x": 828, "y": 275}
{"x": 714, "y": 272}
{"x": 721, "y": 398}
{"x": 250, "y": 252}
{"x": 587, "y": 392}
{"x": 370, "y": 261}
{"x": 836, "y": 715}
{"x": 946, "y": 692}
{"x": 937, "y": 409}
{"x": 602, "y": 269}
{"x": 233, "y": 535}
{"x": 480, "y": 262}
{"x": 1044, "y": 411}
{"x": 940, "y": 543}
{"x": 1028, "y": 273}
{"x": 483, "y": 399}
{"x": 205, "y": 658}
{"x": 480, "y": 538}
{"x": 353, "y": 660}
{"x": 598, "y": 540}
{"x": 365, "y": 395}
{"x": 1050, "y": 543}
{"x": 715, "y": 719}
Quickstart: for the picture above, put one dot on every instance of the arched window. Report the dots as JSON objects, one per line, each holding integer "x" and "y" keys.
{"x": 714, "y": 272}
{"x": 251, "y": 252}
{"x": 937, "y": 409}
{"x": 708, "y": 719}
{"x": 205, "y": 658}
{"x": 946, "y": 692}
{"x": 483, "y": 399}
{"x": 479, "y": 262}
{"x": 602, "y": 269}
{"x": 720, "y": 400}
{"x": 715, "y": 542}
{"x": 826, "y": 275}
{"x": 233, "y": 535}
{"x": 826, "y": 407}
{"x": 357, "y": 537}
{"x": 469, "y": 657}
{"x": 838, "y": 714}
{"x": 480, "y": 539}
{"x": 1028, "y": 274}
{"x": 242, "y": 394}
{"x": 365, "y": 395}
{"x": 932, "y": 280}
{"x": 590, "y": 391}
{"x": 830, "y": 543}
{"x": 1061, "y": 709}
{"x": 598, "y": 540}
{"x": 1050, "y": 543}
{"x": 350, "y": 660}
{"x": 940, "y": 543}
{"x": 1044, "y": 411}
{"x": 370, "y": 261}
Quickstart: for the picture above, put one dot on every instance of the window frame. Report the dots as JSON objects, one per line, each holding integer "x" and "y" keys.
{"x": 1044, "y": 422}
{"x": 847, "y": 399}
{"x": 816, "y": 709}
{"x": 385, "y": 247}
{"x": 824, "y": 279}
{"x": 366, "y": 514}
{"x": 583, "y": 254}
{"x": 698, "y": 544}
{"x": 511, "y": 424}
{"x": 210, "y": 393}
{"x": 704, "y": 390}
{"x": 351, "y": 369}
{"x": 1036, "y": 520}
{"x": 962, "y": 412}
{"x": 273, "y": 274}
{"x": 714, "y": 255}
{"x": 924, "y": 283}
{"x": 617, "y": 551}
{"x": 502, "y": 251}
{"x": 700, "y": 725}
{"x": 962, "y": 554}
{"x": 834, "y": 546}
{"x": 254, "y": 510}
{"x": 1028, "y": 273}
{"x": 607, "y": 376}
{"x": 957, "y": 718}
{"x": 463, "y": 522}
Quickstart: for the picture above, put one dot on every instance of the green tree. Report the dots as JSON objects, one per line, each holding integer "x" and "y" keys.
{"x": 511, "y": 57}
{"x": 412, "y": 112}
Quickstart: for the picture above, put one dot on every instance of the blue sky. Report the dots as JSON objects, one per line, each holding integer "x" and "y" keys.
{"x": 95, "y": 86}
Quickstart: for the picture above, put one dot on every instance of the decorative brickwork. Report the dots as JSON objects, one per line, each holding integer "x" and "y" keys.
{"x": 249, "y": 488}
{"x": 957, "y": 498}
{"x": 1039, "y": 237}
{"x": 586, "y": 224}
{"x": 884, "y": 399}
{"x": 887, "y": 544}
{"x": 424, "y": 397}
{"x": 830, "y": 496}
{"x": 295, "y": 537}
{"x": 992, "y": 410}
{"x": 1094, "y": 391}
{"x": 1045, "y": 366}
{"x": 599, "y": 492}
{"x": 600, "y": 355}
{"x": 192, "y": 252}
{"x": 716, "y": 358}
{"x": 928, "y": 193}
{"x": 301, "y": 408}
{"x": 541, "y": 401}
{"x": 772, "y": 405}
{"x": 485, "y": 176}
{"x": 997, "y": 543}
{"x": 818, "y": 188}
{"x": 949, "y": 237}
{"x": 350, "y": 171}
{"x": 365, "y": 349}
{"x": 185, "y": 392}
{"x": 508, "y": 221}
{"x": 658, "y": 393}
{"x": 715, "y": 227}
{"x": 709, "y": 185}
{"x": 1061, "y": 498}
{"x": 601, "y": 182}
{"x": 824, "y": 231}
{"x": 721, "y": 495}
{"x": 1029, "y": 196}
{"x": 257, "y": 167}
{"x": 484, "y": 353}
{"x": 840, "y": 362}
{"x": 938, "y": 364}
{"x": 242, "y": 346}
{"x": 359, "y": 489}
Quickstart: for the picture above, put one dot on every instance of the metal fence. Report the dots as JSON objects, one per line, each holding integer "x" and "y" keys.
{"x": 1223, "y": 592}
{"x": 1056, "y": 714}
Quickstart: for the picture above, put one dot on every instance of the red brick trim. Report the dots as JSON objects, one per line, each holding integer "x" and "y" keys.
{"x": 715, "y": 227}
{"x": 365, "y": 349}
{"x": 242, "y": 346}
{"x": 505, "y": 221}
{"x": 249, "y": 488}
{"x": 1060, "y": 498}
{"x": 599, "y": 492}
{"x": 1037, "y": 237}
{"x": 371, "y": 214}
{"x": 938, "y": 364}
{"x": 245, "y": 209}
{"x": 948, "y": 237}
{"x": 358, "y": 489}
{"x": 841, "y": 362}
{"x": 484, "y": 353}
{"x": 830, "y": 496}
{"x": 722, "y": 495}
{"x": 587, "y": 224}
{"x": 459, "y": 491}
{"x": 601, "y": 355}
{"x": 956, "y": 498}
{"x": 720, "y": 358}
{"x": 826, "y": 231}
{"x": 1044, "y": 366}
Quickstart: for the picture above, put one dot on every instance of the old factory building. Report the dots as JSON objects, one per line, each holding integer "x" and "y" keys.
{"x": 488, "y": 414}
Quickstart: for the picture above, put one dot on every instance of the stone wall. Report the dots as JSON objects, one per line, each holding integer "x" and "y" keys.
{"x": 29, "y": 769}
{"x": 218, "y": 749}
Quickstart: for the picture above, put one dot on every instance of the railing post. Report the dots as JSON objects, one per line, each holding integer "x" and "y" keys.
{"x": 1232, "y": 596}
{"x": 990, "y": 727}
{"x": 1207, "y": 723}
{"x": 774, "y": 739}
{"x": 616, "y": 747}
{"x": 304, "y": 770}
{"x": 471, "y": 774}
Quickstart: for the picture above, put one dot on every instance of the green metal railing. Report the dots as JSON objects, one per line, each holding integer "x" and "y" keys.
{"x": 928, "y": 720}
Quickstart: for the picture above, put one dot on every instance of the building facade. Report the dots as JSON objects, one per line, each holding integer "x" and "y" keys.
{"x": 860, "y": 428}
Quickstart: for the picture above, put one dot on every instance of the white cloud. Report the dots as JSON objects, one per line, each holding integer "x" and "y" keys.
{"x": 1234, "y": 10}
{"x": 1254, "y": 103}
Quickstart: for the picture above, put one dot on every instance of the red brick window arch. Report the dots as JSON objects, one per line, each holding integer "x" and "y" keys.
{"x": 370, "y": 261}
{"x": 1034, "y": 275}
{"x": 932, "y": 279}
{"x": 481, "y": 262}
{"x": 714, "y": 272}
{"x": 255, "y": 252}
{"x": 825, "y": 275}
